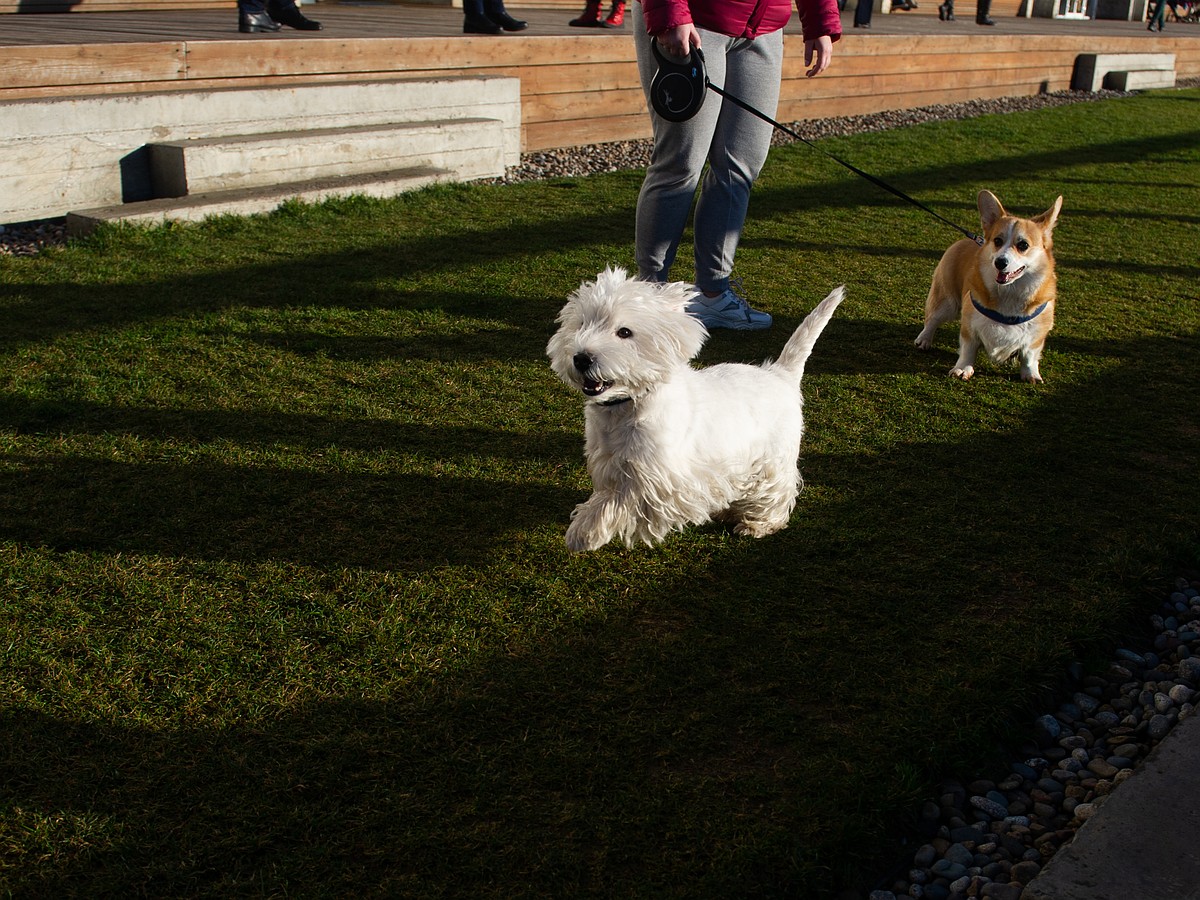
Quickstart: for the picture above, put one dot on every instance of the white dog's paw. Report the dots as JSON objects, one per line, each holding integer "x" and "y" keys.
{"x": 758, "y": 529}
{"x": 964, "y": 372}
{"x": 588, "y": 530}
{"x": 580, "y": 540}
{"x": 924, "y": 341}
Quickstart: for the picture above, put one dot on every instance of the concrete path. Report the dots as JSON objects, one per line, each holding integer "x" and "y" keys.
{"x": 1143, "y": 843}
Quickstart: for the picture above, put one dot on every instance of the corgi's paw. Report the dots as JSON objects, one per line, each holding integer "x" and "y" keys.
{"x": 963, "y": 373}
{"x": 1031, "y": 378}
{"x": 924, "y": 341}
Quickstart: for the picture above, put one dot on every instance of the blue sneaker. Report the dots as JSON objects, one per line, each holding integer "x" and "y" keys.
{"x": 728, "y": 310}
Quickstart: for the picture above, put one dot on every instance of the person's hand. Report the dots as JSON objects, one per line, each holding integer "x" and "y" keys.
{"x": 680, "y": 40}
{"x": 817, "y": 55}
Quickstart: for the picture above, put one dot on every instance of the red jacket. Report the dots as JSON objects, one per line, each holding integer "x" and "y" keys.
{"x": 744, "y": 18}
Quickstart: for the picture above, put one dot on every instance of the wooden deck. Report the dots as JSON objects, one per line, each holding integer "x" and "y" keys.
{"x": 578, "y": 85}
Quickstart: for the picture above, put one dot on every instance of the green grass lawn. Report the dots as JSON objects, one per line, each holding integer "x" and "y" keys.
{"x": 285, "y": 607}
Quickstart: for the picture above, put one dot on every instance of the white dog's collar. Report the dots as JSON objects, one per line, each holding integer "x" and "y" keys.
{"x": 615, "y": 402}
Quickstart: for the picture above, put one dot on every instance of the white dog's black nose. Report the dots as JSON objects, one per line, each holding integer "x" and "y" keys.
{"x": 582, "y": 361}
{"x": 1001, "y": 263}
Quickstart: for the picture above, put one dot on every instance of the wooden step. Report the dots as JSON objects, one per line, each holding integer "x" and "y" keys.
{"x": 249, "y": 201}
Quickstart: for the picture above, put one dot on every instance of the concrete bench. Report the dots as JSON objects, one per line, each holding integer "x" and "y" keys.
{"x": 1123, "y": 71}
{"x": 80, "y": 153}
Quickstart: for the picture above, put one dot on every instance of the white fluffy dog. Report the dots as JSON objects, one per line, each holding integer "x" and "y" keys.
{"x": 669, "y": 445}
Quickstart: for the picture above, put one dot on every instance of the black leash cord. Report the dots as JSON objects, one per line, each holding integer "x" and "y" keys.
{"x": 841, "y": 162}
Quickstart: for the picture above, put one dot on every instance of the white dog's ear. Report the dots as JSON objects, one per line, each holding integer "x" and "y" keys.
{"x": 610, "y": 279}
{"x": 676, "y": 294}
{"x": 688, "y": 332}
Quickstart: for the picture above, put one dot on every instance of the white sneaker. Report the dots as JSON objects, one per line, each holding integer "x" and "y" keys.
{"x": 728, "y": 311}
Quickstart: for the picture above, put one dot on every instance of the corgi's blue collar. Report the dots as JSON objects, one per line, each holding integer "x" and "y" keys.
{"x": 1008, "y": 320}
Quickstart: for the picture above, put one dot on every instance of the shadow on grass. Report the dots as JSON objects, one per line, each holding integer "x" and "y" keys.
{"x": 259, "y": 431}
{"x": 345, "y": 279}
{"x": 330, "y": 518}
{"x": 209, "y": 511}
{"x": 221, "y": 512}
{"x": 718, "y": 735}
{"x": 675, "y": 748}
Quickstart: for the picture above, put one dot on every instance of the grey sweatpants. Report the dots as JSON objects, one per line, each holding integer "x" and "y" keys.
{"x": 732, "y": 141}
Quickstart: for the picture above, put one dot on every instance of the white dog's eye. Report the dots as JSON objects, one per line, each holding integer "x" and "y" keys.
{"x": 1022, "y": 245}
{"x": 999, "y": 242}
{"x": 624, "y": 333}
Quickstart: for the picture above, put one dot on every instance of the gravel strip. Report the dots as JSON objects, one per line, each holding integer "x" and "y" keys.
{"x": 27, "y": 238}
{"x": 579, "y": 161}
{"x": 989, "y": 838}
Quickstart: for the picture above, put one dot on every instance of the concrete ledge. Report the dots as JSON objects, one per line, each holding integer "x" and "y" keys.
{"x": 84, "y": 152}
{"x": 472, "y": 148}
{"x": 1092, "y": 68}
{"x": 1138, "y": 80}
{"x": 248, "y": 201}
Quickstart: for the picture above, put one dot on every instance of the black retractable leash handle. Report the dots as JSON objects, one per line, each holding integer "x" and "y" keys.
{"x": 677, "y": 93}
{"x": 678, "y": 88}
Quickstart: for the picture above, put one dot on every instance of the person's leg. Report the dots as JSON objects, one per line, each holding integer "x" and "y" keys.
{"x": 676, "y": 162}
{"x": 750, "y": 71}
{"x": 1159, "y": 16}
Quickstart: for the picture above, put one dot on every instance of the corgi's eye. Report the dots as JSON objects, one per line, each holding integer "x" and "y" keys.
{"x": 999, "y": 242}
{"x": 624, "y": 334}
{"x": 1022, "y": 245}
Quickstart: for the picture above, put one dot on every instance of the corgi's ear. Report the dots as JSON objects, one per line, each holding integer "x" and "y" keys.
{"x": 989, "y": 209}
{"x": 1049, "y": 218}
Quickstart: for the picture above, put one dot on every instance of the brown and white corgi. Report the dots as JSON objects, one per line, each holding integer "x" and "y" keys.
{"x": 1003, "y": 291}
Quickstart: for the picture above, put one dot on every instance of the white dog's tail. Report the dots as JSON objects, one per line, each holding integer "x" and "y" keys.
{"x": 796, "y": 351}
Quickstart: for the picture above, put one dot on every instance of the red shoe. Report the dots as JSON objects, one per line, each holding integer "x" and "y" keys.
{"x": 590, "y": 18}
{"x": 616, "y": 15}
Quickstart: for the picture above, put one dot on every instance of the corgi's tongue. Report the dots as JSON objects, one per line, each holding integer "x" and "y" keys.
{"x": 1007, "y": 277}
